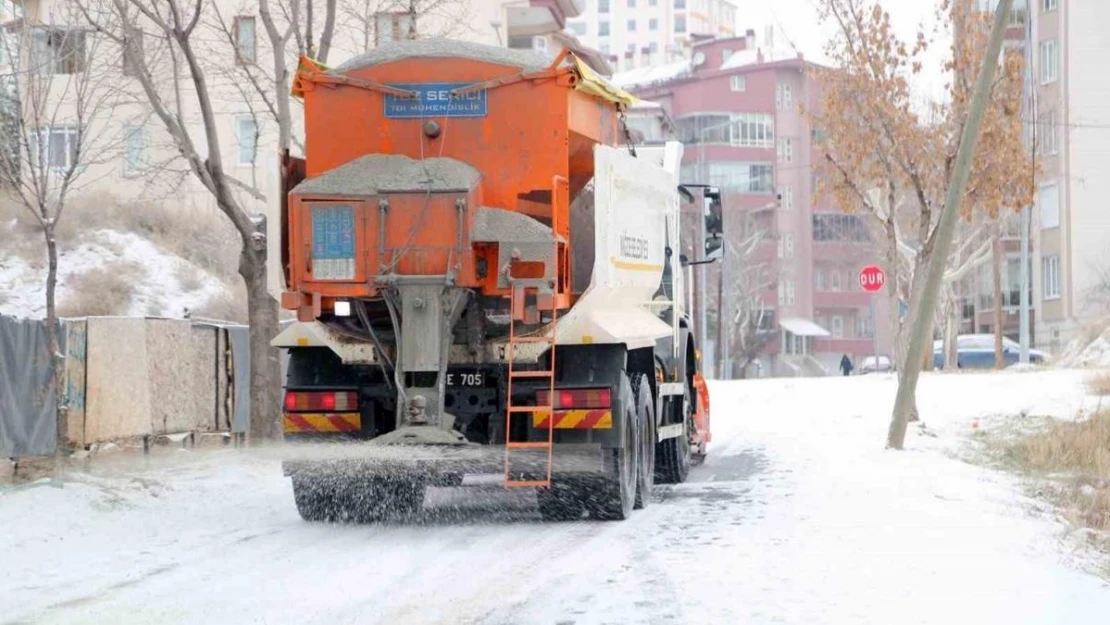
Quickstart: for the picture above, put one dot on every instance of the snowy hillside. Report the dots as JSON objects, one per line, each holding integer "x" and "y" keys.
{"x": 108, "y": 272}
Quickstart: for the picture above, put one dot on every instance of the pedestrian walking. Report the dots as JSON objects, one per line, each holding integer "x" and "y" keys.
{"x": 846, "y": 365}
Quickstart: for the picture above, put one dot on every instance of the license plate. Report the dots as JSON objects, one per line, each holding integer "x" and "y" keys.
{"x": 466, "y": 379}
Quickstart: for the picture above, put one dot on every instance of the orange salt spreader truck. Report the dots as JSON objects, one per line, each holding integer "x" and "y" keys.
{"x": 484, "y": 277}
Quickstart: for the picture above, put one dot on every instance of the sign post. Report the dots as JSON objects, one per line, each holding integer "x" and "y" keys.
{"x": 872, "y": 278}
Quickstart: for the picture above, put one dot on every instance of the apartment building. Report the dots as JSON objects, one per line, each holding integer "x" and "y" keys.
{"x": 136, "y": 162}
{"x": 1071, "y": 222}
{"x": 638, "y": 33}
{"x": 735, "y": 105}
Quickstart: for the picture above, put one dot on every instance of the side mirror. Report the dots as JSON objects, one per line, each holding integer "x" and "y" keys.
{"x": 714, "y": 222}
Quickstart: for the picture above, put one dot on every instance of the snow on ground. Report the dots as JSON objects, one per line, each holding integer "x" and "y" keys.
{"x": 158, "y": 293}
{"x": 799, "y": 516}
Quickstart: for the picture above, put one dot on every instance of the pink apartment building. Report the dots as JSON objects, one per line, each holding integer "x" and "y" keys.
{"x": 737, "y": 108}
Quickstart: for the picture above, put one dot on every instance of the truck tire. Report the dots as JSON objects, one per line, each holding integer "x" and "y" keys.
{"x": 674, "y": 453}
{"x": 617, "y": 494}
{"x": 645, "y": 467}
{"x": 562, "y": 502}
{"x": 316, "y": 499}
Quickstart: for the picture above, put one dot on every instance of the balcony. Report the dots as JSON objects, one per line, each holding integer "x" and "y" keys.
{"x": 533, "y": 18}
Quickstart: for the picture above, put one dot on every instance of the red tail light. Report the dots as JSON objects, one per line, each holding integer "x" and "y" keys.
{"x": 577, "y": 399}
{"x": 330, "y": 401}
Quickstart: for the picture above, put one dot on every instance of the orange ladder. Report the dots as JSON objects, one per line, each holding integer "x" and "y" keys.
{"x": 534, "y": 282}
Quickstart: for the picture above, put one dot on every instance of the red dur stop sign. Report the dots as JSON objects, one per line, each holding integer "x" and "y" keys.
{"x": 872, "y": 278}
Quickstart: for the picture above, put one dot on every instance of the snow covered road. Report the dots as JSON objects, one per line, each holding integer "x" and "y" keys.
{"x": 799, "y": 516}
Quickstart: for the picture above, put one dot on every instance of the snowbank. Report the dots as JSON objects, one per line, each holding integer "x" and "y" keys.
{"x": 159, "y": 292}
{"x": 1093, "y": 354}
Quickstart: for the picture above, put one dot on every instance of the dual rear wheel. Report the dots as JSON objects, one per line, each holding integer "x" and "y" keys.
{"x": 631, "y": 469}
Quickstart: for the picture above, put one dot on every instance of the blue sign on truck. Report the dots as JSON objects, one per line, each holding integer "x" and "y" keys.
{"x": 435, "y": 100}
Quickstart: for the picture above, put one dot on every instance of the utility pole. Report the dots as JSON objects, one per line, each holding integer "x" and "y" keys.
{"x": 1027, "y": 211}
{"x": 896, "y": 435}
{"x": 722, "y": 314}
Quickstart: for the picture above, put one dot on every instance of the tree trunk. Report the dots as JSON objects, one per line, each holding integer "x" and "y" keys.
{"x": 265, "y": 367}
{"x": 996, "y": 270}
{"x": 57, "y": 388}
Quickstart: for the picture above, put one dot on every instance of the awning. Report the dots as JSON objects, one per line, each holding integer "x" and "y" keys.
{"x": 803, "y": 327}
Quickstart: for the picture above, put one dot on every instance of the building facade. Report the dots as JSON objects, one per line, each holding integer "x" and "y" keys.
{"x": 639, "y": 33}
{"x": 1071, "y": 222}
{"x": 737, "y": 107}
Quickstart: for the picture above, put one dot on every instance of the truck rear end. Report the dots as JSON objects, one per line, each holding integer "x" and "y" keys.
{"x": 484, "y": 283}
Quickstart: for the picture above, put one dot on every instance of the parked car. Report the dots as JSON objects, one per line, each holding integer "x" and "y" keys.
{"x": 884, "y": 365}
{"x": 976, "y": 351}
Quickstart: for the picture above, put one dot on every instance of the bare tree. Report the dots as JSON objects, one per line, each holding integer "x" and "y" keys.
{"x": 750, "y": 281}
{"x": 180, "y": 95}
{"x": 379, "y": 21}
{"x": 57, "y": 94}
{"x": 877, "y": 136}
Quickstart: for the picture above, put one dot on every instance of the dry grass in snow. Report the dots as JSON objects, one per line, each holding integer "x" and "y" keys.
{"x": 103, "y": 291}
{"x": 1072, "y": 458}
{"x": 1099, "y": 384}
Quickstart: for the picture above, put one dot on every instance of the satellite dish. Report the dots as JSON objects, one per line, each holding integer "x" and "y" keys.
{"x": 699, "y": 59}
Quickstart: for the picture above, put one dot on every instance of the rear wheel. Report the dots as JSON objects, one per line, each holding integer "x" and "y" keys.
{"x": 645, "y": 467}
{"x": 317, "y": 499}
{"x": 617, "y": 494}
{"x": 674, "y": 453}
{"x": 561, "y": 502}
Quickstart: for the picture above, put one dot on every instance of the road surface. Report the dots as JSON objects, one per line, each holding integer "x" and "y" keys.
{"x": 798, "y": 516}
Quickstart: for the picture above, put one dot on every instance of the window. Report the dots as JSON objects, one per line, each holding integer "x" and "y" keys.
{"x": 653, "y": 24}
{"x": 246, "y": 48}
{"x": 1050, "y": 275}
{"x": 653, "y": 47}
{"x": 1050, "y": 61}
{"x": 1049, "y": 5}
{"x": 680, "y": 4}
{"x": 1049, "y": 134}
{"x": 834, "y": 279}
{"x": 652, "y": 3}
{"x": 735, "y": 176}
{"x": 819, "y": 280}
{"x": 248, "y": 139}
{"x": 680, "y": 22}
{"x": 602, "y": 6}
{"x": 632, "y": 4}
{"x": 782, "y": 293}
{"x": 603, "y": 29}
{"x": 135, "y": 145}
{"x": 784, "y": 96}
{"x": 578, "y": 28}
{"x": 631, "y": 26}
{"x": 786, "y": 151}
{"x": 133, "y": 52}
{"x": 738, "y": 83}
{"x": 789, "y": 238}
{"x": 394, "y": 27}
{"x": 787, "y": 201}
{"x": 55, "y": 148}
{"x": 1048, "y": 200}
{"x": 58, "y": 51}
{"x": 604, "y": 49}
{"x": 835, "y": 227}
{"x": 726, "y": 54}
{"x": 789, "y": 292}
{"x": 539, "y": 44}
{"x": 838, "y": 326}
